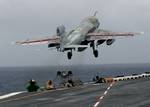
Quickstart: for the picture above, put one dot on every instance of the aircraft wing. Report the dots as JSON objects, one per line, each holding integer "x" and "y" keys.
{"x": 102, "y": 34}
{"x": 49, "y": 40}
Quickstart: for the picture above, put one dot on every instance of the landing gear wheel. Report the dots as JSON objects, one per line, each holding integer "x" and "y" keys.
{"x": 69, "y": 54}
{"x": 92, "y": 44}
{"x": 95, "y": 52}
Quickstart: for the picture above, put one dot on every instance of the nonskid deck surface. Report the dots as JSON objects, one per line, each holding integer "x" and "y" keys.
{"x": 131, "y": 93}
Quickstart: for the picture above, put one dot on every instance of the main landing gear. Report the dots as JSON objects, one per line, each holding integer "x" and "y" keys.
{"x": 93, "y": 45}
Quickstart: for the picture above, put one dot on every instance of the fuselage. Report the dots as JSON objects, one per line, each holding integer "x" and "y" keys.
{"x": 76, "y": 36}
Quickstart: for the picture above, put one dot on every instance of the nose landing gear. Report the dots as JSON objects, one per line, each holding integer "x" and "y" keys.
{"x": 69, "y": 55}
{"x": 95, "y": 51}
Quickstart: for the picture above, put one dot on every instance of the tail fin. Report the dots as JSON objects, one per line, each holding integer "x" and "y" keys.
{"x": 95, "y": 13}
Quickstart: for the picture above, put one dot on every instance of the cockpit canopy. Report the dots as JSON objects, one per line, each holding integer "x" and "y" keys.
{"x": 93, "y": 20}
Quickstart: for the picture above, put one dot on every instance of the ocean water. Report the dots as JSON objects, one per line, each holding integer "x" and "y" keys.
{"x": 14, "y": 79}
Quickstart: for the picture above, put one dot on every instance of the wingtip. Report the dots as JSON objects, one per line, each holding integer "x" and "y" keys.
{"x": 139, "y": 33}
{"x": 142, "y": 33}
{"x": 16, "y": 42}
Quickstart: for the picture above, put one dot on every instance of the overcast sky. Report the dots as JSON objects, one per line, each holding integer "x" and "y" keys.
{"x": 22, "y": 19}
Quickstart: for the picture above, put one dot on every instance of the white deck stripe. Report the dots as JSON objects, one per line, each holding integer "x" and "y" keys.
{"x": 10, "y": 95}
{"x": 104, "y": 94}
{"x": 108, "y": 88}
{"x": 96, "y": 104}
{"x": 101, "y": 97}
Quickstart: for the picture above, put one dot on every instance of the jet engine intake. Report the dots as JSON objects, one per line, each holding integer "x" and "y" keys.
{"x": 80, "y": 49}
{"x": 53, "y": 45}
{"x": 99, "y": 42}
{"x": 110, "y": 41}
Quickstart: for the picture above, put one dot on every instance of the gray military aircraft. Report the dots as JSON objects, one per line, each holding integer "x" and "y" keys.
{"x": 87, "y": 34}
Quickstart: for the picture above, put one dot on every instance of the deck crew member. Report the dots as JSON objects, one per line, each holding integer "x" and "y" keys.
{"x": 49, "y": 85}
{"x": 32, "y": 87}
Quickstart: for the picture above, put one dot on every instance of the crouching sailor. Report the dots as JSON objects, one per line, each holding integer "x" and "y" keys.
{"x": 32, "y": 86}
{"x": 49, "y": 85}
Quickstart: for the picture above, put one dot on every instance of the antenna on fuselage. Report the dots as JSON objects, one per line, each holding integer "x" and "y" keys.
{"x": 95, "y": 13}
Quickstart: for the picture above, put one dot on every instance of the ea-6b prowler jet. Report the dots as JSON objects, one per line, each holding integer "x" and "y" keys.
{"x": 87, "y": 34}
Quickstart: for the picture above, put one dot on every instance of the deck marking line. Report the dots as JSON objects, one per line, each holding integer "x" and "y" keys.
{"x": 27, "y": 96}
{"x": 10, "y": 95}
{"x": 96, "y": 104}
{"x": 108, "y": 88}
{"x": 103, "y": 95}
{"x": 105, "y": 92}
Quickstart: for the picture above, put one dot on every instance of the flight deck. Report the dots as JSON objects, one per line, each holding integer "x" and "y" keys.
{"x": 129, "y": 93}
